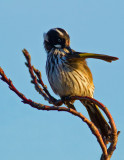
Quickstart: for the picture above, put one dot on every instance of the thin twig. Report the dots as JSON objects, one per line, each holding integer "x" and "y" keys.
{"x": 34, "y": 78}
{"x": 38, "y": 74}
{"x": 38, "y": 79}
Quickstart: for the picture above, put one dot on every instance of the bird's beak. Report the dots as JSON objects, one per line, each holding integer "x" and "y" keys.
{"x": 93, "y": 55}
{"x": 69, "y": 49}
{"x": 45, "y": 36}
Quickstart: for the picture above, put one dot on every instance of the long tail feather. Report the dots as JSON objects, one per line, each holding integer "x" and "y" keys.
{"x": 98, "y": 119}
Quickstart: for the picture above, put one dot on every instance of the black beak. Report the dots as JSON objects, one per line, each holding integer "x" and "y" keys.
{"x": 69, "y": 49}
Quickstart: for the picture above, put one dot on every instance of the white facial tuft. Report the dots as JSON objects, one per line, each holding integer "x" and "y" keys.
{"x": 45, "y": 36}
{"x": 58, "y": 45}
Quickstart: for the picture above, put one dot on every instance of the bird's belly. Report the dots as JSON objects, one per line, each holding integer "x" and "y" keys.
{"x": 70, "y": 82}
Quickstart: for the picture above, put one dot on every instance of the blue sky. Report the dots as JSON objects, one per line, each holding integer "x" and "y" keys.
{"x": 94, "y": 26}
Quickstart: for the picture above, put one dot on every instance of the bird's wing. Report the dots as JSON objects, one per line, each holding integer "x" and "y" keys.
{"x": 84, "y": 55}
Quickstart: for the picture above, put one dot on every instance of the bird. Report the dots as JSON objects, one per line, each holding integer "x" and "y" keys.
{"x": 69, "y": 75}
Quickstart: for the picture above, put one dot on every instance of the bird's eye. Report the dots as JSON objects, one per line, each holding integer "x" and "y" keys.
{"x": 59, "y": 40}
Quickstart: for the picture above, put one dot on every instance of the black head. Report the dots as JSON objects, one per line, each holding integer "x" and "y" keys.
{"x": 56, "y": 38}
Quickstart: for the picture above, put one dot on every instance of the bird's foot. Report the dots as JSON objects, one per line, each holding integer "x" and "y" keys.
{"x": 65, "y": 98}
{"x": 67, "y": 101}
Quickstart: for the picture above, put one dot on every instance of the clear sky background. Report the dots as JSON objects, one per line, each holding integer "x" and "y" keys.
{"x": 94, "y": 26}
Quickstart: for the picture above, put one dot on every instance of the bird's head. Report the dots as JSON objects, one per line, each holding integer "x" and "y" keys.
{"x": 56, "y": 38}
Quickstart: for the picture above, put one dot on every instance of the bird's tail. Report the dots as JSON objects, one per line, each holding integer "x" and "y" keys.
{"x": 98, "y": 119}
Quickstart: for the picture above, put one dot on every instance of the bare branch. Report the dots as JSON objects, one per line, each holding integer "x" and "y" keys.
{"x": 42, "y": 89}
{"x": 48, "y": 108}
{"x": 114, "y": 135}
{"x": 34, "y": 78}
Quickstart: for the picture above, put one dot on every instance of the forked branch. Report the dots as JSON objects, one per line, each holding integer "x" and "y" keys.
{"x": 42, "y": 89}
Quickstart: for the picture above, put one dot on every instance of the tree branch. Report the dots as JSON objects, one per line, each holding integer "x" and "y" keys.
{"x": 42, "y": 89}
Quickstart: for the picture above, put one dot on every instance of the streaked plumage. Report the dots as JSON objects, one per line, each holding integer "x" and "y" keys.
{"x": 69, "y": 75}
{"x": 68, "y": 79}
